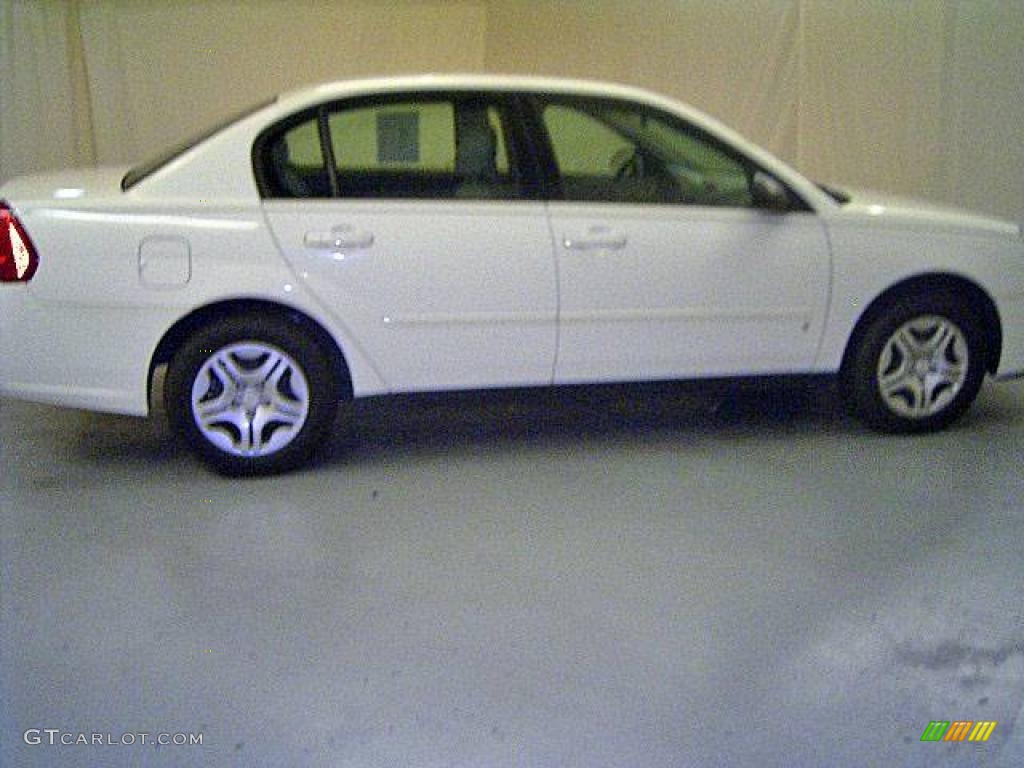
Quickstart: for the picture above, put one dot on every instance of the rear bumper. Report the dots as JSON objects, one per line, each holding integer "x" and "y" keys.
{"x": 93, "y": 358}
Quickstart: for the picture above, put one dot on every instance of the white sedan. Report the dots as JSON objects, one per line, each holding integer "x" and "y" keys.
{"x": 432, "y": 233}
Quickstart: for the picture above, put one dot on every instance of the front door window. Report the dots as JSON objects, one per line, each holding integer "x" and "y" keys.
{"x": 623, "y": 153}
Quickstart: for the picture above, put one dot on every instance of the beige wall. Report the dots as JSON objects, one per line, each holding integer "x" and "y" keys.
{"x": 919, "y": 97}
{"x": 912, "y": 96}
{"x": 157, "y": 68}
{"x": 161, "y": 70}
{"x": 733, "y": 58}
{"x": 44, "y": 101}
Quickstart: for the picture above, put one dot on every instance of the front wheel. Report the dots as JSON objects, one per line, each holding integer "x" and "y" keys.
{"x": 252, "y": 394}
{"x": 917, "y": 366}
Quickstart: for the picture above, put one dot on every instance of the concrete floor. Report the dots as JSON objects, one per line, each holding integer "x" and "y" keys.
{"x": 621, "y": 576}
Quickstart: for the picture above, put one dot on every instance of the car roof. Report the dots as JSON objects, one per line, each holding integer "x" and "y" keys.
{"x": 467, "y": 82}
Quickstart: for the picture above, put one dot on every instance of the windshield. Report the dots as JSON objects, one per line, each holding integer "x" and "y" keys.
{"x": 153, "y": 164}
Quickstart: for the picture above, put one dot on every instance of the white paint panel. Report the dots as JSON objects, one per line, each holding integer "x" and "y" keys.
{"x": 449, "y": 294}
{"x": 693, "y": 292}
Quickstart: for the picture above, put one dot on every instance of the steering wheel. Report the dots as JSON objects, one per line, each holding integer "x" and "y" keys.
{"x": 627, "y": 163}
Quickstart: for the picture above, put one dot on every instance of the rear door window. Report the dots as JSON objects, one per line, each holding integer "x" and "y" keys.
{"x": 459, "y": 147}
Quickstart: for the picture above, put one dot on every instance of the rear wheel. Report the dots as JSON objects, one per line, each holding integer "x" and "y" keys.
{"x": 252, "y": 395}
{"x": 917, "y": 366}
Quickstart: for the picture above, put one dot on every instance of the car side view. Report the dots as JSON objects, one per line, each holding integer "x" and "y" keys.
{"x": 470, "y": 232}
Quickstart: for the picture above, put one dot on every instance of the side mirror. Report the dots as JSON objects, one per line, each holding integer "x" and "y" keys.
{"x": 769, "y": 193}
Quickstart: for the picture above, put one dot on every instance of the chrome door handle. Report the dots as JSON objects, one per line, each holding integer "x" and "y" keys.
{"x": 339, "y": 238}
{"x": 592, "y": 241}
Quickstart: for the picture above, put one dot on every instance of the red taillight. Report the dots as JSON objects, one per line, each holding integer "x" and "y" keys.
{"x": 18, "y": 257}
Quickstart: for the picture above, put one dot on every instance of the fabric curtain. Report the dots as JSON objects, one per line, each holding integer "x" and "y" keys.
{"x": 922, "y": 97}
{"x": 113, "y": 81}
{"x": 160, "y": 72}
{"x": 45, "y": 114}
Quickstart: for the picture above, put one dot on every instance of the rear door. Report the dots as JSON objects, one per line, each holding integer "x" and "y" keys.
{"x": 411, "y": 217}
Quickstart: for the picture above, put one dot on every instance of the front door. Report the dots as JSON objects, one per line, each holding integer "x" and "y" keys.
{"x": 667, "y": 268}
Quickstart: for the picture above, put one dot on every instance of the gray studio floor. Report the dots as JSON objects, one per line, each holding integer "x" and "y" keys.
{"x": 621, "y": 576}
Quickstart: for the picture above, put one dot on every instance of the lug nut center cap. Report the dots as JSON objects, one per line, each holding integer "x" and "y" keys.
{"x": 251, "y": 398}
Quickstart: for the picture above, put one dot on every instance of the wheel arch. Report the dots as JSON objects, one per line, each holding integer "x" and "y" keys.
{"x": 976, "y": 297}
{"x": 205, "y": 315}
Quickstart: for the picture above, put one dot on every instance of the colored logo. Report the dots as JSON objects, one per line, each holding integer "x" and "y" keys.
{"x": 958, "y": 730}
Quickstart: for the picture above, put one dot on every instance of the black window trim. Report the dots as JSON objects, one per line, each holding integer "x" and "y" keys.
{"x": 327, "y": 150}
{"x": 266, "y": 137}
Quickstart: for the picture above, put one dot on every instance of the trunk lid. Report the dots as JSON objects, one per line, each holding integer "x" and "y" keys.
{"x": 64, "y": 187}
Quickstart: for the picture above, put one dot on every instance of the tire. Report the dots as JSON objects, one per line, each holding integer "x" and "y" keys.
{"x": 916, "y": 366}
{"x": 251, "y": 394}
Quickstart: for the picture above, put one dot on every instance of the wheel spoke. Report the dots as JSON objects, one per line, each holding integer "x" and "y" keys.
{"x": 894, "y": 365}
{"x": 897, "y": 361}
{"x": 896, "y": 382}
{"x": 271, "y": 369}
{"x": 217, "y": 394}
{"x": 954, "y": 373}
{"x": 210, "y": 410}
{"x": 266, "y": 416}
{"x": 896, "y": 389}
{"x": 274, "y": 378}
{"x": 940, "y": 339}
{"x": 905, "y": 342}
{"x": 228, "y": 366}
{"x": 259, "y": 421}
{"x": 940, "y": 388}
{"x": 235, "y": 417}
{"x": 919, "y": 402}
{"x": 284, "y": 409}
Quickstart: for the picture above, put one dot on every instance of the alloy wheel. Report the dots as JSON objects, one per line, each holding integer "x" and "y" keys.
{"x": 923, "y": 366}
{"x": 250, "y": 399}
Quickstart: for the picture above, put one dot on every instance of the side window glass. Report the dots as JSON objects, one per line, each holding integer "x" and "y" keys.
{"x": 583, "y": 145}
{"x": 295, "y": 164}
{"x": 706, "y": 174}
{"x": 609, "y": 152}
{"x": 422, "y": 149}
{"x": 394, "y": 138}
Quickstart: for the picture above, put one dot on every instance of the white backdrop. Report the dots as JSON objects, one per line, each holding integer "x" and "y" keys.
{"x": 911, "y": 96}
